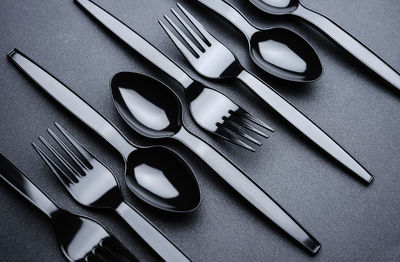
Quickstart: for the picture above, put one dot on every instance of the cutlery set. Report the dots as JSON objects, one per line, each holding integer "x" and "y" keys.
{"x": 157, "y": 175}
{"x": 80, "y": 238}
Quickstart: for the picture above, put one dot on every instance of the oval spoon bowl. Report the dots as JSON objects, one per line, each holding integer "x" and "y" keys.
{"x": 168, "y": 186}
{"x": 276, "y": 7}
{"x": 285, "y": 54}
{"x": 278, "y": 51}
{"x": 145, "y": 109}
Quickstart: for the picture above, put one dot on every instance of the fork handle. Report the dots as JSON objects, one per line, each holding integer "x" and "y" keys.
{"x": 248, "y": 189}
{"x": 350, "y": 44}
{"x": 302, "y": 123}
{"x": 150, "y": 234}
{"x": 24, "y": 186}
{"x": 72, "y": 102}
{"x": 233, "y": 15}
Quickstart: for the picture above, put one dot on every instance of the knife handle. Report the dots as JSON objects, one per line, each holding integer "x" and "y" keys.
{"x": 150, "y": 234}
{"x": 136, "y": 42}
{"x": 248, "y": 189}
{"x": 302, "y": 123}
{"x": 24, "y": 186}
{"x": 72, "y": 102}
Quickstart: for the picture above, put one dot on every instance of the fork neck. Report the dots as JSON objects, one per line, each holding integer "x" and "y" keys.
{"x": 233, "y": 15}
{"x": 186, "y": 81}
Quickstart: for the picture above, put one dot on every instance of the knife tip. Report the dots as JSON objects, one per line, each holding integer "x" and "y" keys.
{"x": 316, "y": 249}
{"x": 370, "y": 179}
{"x": 12, "y": 52}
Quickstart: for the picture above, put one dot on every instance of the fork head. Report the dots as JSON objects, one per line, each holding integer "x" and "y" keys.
{"x": 216, "y": 113}
{"x": 83, "y": 239}
{"x": 208, "y": 56}
{"x": 211, "y": 109}
{"x": 88, "y": 180}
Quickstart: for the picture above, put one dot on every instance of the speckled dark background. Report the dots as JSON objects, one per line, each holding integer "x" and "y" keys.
{"x": 354, "y": 222}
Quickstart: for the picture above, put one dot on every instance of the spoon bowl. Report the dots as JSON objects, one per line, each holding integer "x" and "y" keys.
{"x": 335, "y": 33}
{"x": 276, "y": 7}
{"x": 154, "y": 111}
{"x": 285, "y": 54}
{"x": 170, "y": 187}
{"x": 221, "y": 165}
{"x": 147, "y": 105}
{"x": 278, "y": 51}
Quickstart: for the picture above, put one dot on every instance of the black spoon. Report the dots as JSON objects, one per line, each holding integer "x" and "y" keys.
{"x": 167, "y": 182}
{"x": 278, "y": 51}
{"x": 153, "y": 110}
{"x": 335, "y": 32}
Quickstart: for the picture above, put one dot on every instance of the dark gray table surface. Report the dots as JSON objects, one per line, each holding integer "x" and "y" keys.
{"x": 353, "y": 222}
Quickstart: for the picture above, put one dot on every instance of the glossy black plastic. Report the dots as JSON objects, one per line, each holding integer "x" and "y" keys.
{"x": 146, "y": 105}
{"x": 200, "y": 97}
{"x": 218, "y": 62}
{"x": 278, "y": 51}
{"x": 176, "y": 168}
{"x": 276, "y": 7}
{"x": 145, "y": 99}
{"x": 284, "y": 54}
{"x": 336, "y": 33}
{"x": 80, "y": 238}
{"x": 92, "y": 184}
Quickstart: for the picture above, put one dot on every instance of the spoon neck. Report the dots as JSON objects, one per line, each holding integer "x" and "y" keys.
{"x": 184, "y": 136}
{"x": 190, "y": 140}
{"x": 305, "y": 13}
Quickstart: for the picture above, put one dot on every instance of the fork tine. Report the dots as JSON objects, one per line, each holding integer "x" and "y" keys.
{"x": 78, "y": 146}
{"x": 61, "y": 175}
{"x": 92, "y": 256}
{"x": 67, "y": 150}
{"x": 243, "y": 113}
{"x": 183, "y": 35}
{"x": 60, "y": 158}
{"x": 106, "y": 253}
{"x": 197, "y": 24}
{"x": 181, "y": 47}
{"x": 243, "y": 122}
{"x": 114, "y": 244}
{"x": 189, "y": 29}
{"x": 95, "y": 258}
{"x": 230, "y": 125}
{"x": 224, "y": 133}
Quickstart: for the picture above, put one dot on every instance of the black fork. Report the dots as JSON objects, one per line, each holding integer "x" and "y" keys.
{"x": 92, "y": 184}
{"x": 80, "y": 238}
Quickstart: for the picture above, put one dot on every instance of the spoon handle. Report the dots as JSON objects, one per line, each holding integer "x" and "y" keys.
{"x": 72, "y": 102}
{"x": 24, "y": 186}
{"x": 233, "y": 15}
{"x": 303, "y": 124}
{"x": 351, "y": 44}
{"x": 136, "y": 42}
{"x": 150, "y": 234}
{"x": 248, "y": 189}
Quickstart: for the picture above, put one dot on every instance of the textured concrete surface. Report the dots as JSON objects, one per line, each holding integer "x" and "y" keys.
{"x": 353, "y": 222}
